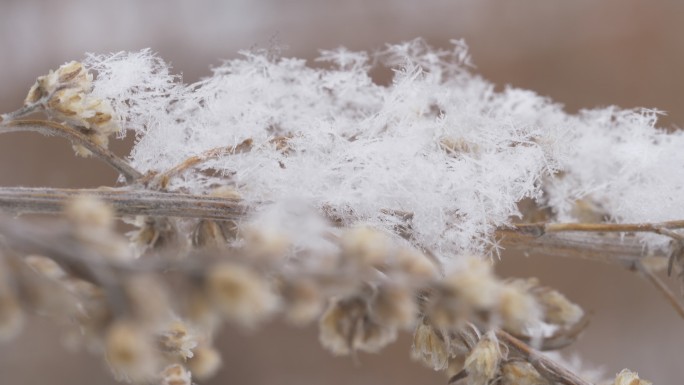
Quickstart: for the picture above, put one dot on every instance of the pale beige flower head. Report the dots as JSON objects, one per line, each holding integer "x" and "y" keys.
{"x": 175, "y": 374}
{"x": 205, "y": 362}
{"x": 430, "y": 347}
{"x": 482, "y": 364}
{"x": 130, "y": 353}
{"x": 66, "y": 94}
{"x": 628, "y": 377}
{"x": 240, "y": 294}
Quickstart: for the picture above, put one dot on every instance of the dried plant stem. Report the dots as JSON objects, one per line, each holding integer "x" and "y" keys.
{"x": 658, "y": 227}
{"x": 23, "y": 111}
{"x": 596, "y": 247}
{"x": 161, "y": 180}
{"x": 548, "y": 368}
{"x": 125, "y": 202}
{"x": 662, "y": 288}
{"x": 625, "y": 250}
{"x": 49, "y": 128}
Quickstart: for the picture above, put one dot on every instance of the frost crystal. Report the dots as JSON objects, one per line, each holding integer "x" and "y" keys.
{"x": 438, "y": 151}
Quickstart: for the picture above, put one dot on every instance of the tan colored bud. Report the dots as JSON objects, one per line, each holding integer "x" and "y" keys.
{"x": 205, "y": 362}
{"x": 518, "y": 308}
{"x": 558, "y": 310}
{"x": 70, "y": 99}
{"x": 627, "y": 377}
{"x": 208, "y": 234}
{"x": 482, "y": 364}
{"x": 346, "y": 326}
{"x": 429, "y": 347}
{"x": 177, "y": 340}
{"x": 45, "y": 266}
{"x": 415, "y": 264}
{"x": 395, "y": 306}
{"x": 521, "y": 373}
{"x": 304, "y": 302}
{"x": 475, "y": 284}
{"x": 240, "y": 293}
{"x": 90, "y": 212}
{"x": 265, "y": 243}
{"x": 129, "y": 352}
{"x": 175, "y": 374}
{"x": 366, "y": 246}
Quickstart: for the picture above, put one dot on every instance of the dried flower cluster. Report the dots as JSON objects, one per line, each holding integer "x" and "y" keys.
{"x": 363, "y": 292}
{"x": 313, "y": 194}
{"x": 67, "y": 95}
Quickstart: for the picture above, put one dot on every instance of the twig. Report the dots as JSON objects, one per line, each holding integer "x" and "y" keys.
{"x": 595, "y": 247}
{"x": 49, "y": 128}
{"x": 548, "y": 368}
{"x": 153, "y": 203}
{"x": 162, "y": 180}
{"x": 662, "y": 288}
{"x": 23, "y": 111}
{"x": 125, "y": 202}
{"x": 30, "y": 108}
{"x": 544, "y": 228}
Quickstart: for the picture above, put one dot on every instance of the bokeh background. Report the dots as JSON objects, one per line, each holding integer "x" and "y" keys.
{"x": 582, "y": 53}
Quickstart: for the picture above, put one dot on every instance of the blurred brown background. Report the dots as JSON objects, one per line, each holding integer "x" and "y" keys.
{"x": 582, "y": 53}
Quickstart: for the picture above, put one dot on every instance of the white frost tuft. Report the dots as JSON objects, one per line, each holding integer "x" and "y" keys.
{"x": 438, "y": 142}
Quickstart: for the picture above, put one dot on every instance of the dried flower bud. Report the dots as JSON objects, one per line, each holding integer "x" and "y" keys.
{"x": 93, "y": 222}
{"x": 304, "y": 302}
{"x": 177, "y": 340}
{"x": 70, "y": 99}
{"x": 69, "y": 74}
{"x": 240, "y": 293}
{"x": 415, "y": 264}
{"x": 175, "y": 374}
{"x": 90, "y": 212}
{"x": 627, "y": 377}
{"x": 518, "y": 308}
{"x": 429, "y": 347}
{"x": 366, "y": 246}
{"x": 455, "y": 369}
{"x": 373, "y": 336}
{"x": 157, "y": 233}
{"x": 475, "y": 284}
{"x": 45, "y": 266}
{"x": 205, "y": 362}
{"x": 129, "y": 352}
{"x": 482, "y": 364}
{"x": 266, "y": 243}
{"x": 208, "y": 234}
{"x": 346, "y": 326}
{"x": 557, "y": 309}
{"x": 521, "y": 373}
{"x": 394, "y": 305}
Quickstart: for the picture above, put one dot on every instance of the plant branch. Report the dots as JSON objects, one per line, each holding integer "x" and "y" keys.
{"x": 548, "y": 368}
{"x": 657, "y": 227}
{"x": 623, "y": 250}
{"x": 18, "y": 200}
{"x": 162, "y": 180}
{"x": 595, "y": 247}
{"x": 49, "y": 128}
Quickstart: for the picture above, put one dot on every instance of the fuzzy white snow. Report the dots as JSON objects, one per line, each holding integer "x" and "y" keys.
{"x": 438, "y": 142}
